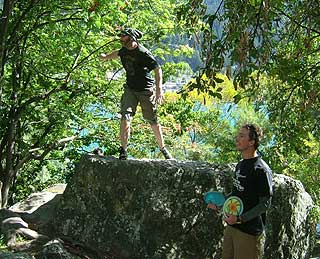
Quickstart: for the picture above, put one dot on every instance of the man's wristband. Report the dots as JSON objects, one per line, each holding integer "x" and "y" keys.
{"x": 239, "y": 220}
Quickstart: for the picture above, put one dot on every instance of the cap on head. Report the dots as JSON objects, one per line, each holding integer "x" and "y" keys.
{"x": 133, "y": 33}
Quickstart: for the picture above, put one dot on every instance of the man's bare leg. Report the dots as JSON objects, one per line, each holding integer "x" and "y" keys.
{"x": 124, "y": 137}
{"x": 124, "y": 133}
{"x": 157, "y": 130}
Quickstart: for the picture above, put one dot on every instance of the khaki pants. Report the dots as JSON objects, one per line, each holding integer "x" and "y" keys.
{"x": 239, "y": 245}
{"x": 130, "y": 100}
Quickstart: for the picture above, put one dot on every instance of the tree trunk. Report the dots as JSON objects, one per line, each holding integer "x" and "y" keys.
{"x": 0, "y": 195}
{"x": 13, "y": 119}
{"x": 4, "y": 22}
{"x": 5, "y": 187}
{"x": 9, "y": 159}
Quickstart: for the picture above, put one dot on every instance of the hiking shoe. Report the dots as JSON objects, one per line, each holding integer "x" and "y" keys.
{"x": 123, "y": 154}
{"x": 165, "y": 153}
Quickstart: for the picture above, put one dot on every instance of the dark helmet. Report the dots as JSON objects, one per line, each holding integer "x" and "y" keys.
{"x": 133, "y": 33}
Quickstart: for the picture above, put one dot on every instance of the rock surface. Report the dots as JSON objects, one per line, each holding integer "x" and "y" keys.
{"x": 26, "y": 219}
{"x": 146, "y": 209}
{"x": 155, "y": 209}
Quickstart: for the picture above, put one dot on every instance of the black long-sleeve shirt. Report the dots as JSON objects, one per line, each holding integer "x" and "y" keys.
{"x": 252, "y": 183}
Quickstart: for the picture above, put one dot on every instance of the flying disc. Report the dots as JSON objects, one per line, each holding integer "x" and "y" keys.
{"x": 233, "y": 206}
{"x": 216, "y": 198}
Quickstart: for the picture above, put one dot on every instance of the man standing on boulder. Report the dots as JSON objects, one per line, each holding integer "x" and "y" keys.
{"x": 252, "y": 183}
{"x": 139, "y": 88}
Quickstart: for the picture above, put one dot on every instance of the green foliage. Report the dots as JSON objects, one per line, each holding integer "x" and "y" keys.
{"x": 59, "y": 101}
{"x": 57, "y": 98}
{"x": 199, "y": 127}
{"x": 38, "y": 175}
{"x": 270, "y": 49}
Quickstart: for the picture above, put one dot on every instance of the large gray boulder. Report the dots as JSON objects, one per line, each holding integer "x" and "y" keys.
{"x": 155, "y": 209}
{"x": 27, "y": 218}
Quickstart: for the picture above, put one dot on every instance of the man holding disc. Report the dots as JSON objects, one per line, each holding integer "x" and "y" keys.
{"x": 252, "y": 185}
{"x": 139, "y": 88}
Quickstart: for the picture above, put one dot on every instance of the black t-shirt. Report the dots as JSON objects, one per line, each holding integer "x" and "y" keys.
{"x": 253, "y": 179}
{"x": 138, "y": 63}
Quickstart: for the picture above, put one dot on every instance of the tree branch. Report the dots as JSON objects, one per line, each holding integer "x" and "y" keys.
{"x": 14, "y": 42}
{"x": 296, "y": 22}
{"x": 90, "y": 54}
{"x": 31, "y": 154}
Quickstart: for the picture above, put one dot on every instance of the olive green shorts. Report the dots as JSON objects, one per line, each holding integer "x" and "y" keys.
{"x": 147, "y": 99}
